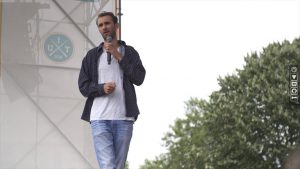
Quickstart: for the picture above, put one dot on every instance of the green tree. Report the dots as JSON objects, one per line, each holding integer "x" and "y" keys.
{"x": 184, "y": 142}
{"x": 159, "y": 163}
{"x": 248, "y": 123}
{"x": 127, "y": 165}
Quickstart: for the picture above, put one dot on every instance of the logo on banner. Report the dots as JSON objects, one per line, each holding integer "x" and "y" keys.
{"x": 294, "y": 81}
{"x": 58, "y": 47}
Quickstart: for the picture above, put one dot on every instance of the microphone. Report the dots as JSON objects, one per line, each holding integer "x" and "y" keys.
{"x": 109, "y": 40}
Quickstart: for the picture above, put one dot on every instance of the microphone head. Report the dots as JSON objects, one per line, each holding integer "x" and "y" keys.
{"x": 108, "y": 39}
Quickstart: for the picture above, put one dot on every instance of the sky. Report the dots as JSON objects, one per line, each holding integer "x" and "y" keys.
{"x": 185, "y": 45}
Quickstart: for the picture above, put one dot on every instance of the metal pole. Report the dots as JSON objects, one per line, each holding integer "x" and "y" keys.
{"x": 119, "y": 13}
{"x": 0, "y": 34}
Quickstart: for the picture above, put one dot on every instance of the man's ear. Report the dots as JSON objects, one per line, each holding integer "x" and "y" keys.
{"x": 117, "y": 25}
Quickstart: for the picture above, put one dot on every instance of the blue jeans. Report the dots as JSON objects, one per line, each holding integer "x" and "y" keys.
{"x": 111, "y": 142}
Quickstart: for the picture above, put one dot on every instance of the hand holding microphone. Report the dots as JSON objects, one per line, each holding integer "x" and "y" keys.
{"x": 111, "y": 50}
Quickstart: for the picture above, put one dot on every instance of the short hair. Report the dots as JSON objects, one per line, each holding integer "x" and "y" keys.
{"x": 104, "y": 13}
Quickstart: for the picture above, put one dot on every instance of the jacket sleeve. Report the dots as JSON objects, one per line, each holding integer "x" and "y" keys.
{"x": 132, "y": 66}
{"x": 87, "y": 87}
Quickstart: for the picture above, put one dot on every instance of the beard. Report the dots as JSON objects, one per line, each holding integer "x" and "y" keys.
{"x": 112, "y": 35}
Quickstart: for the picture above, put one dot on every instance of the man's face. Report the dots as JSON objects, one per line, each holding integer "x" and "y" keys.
{"x": 107, "y": 27}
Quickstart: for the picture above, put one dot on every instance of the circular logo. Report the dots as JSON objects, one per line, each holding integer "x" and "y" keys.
{"x": 294, "y": 69}
{"x": 58, "y": 47}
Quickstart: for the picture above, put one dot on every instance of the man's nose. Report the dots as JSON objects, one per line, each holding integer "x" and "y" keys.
{"x": 104, "y": 27}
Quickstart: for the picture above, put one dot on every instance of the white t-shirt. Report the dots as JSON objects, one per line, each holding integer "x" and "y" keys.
{"x": 111, "y": 106}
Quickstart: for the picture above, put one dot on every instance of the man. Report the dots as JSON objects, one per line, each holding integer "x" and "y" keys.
{"x": 111, "y": 105}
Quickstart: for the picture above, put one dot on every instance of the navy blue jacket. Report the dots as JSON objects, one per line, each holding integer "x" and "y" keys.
{"x": 134, "y": 73}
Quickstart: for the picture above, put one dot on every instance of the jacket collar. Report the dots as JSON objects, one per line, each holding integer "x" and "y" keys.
{"x": 122, "y": 43}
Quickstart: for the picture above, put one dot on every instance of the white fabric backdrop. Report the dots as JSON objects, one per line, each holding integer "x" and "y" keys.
{"x": 40, "y": 105}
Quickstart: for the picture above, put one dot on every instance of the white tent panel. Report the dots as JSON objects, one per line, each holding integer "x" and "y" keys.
{"x": 42, "y": 45}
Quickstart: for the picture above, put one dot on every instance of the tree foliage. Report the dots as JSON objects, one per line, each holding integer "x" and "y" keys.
{"x": 248, "y": 123}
